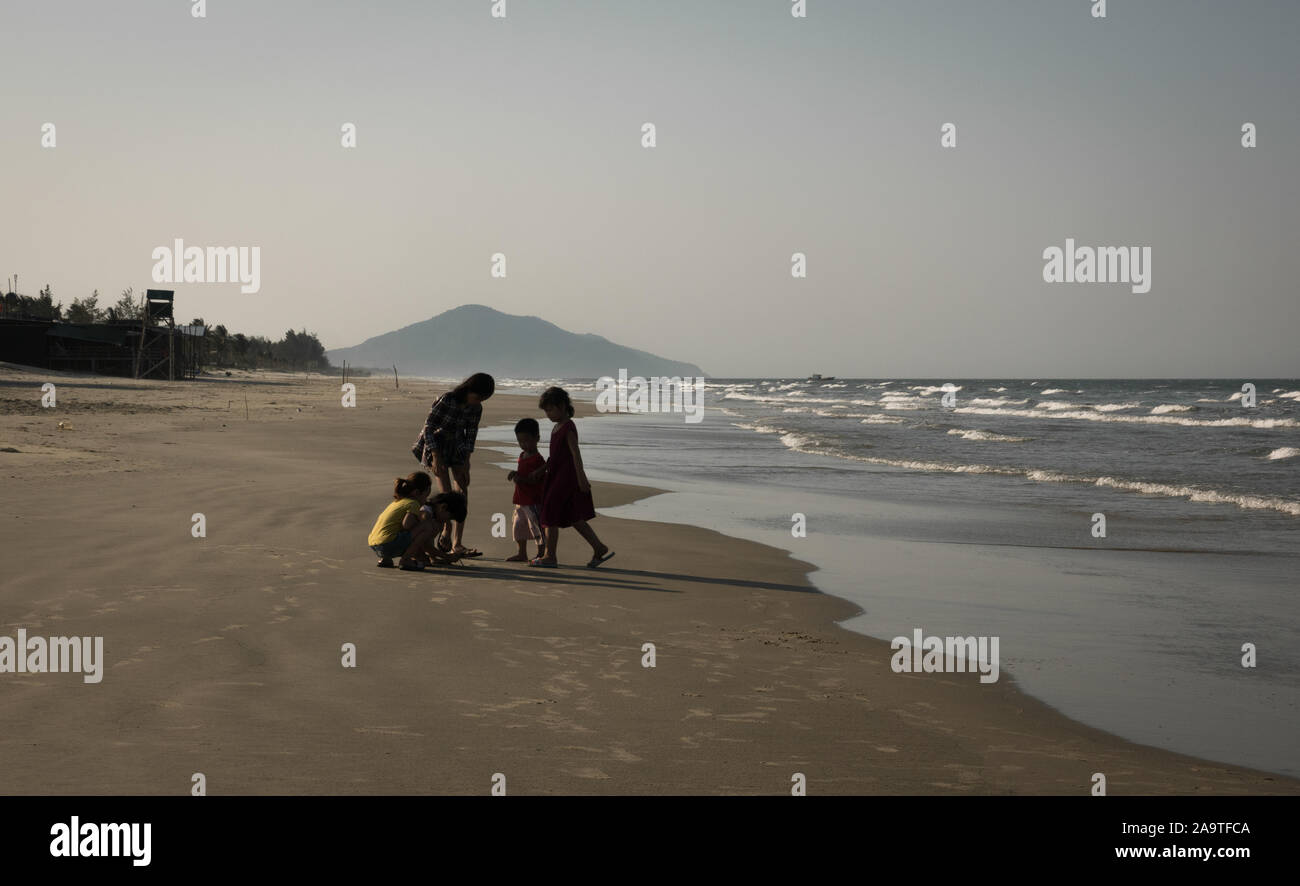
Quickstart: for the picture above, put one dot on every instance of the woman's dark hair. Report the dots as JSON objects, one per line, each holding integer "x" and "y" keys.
{"x": 556, "y": 397}
{"x": 456, "y": 505}
{"x": 416, "y": 485}
{"x": 528, "y": 426}
{"x": 479, "y": 383}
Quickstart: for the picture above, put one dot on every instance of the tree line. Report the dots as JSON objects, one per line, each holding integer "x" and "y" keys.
{"x": 300, "y": 350}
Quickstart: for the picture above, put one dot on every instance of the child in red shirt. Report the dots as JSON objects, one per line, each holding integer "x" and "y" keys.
{"x": 528, "y": 480}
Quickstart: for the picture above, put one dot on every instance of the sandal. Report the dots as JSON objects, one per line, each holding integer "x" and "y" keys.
{"x": 538, "y": 561}
{"x": 596, "y": 561}
{"x": 467, "y": 552}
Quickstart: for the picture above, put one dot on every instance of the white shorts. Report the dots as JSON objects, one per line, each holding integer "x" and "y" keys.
{"x": 527, "y": 523}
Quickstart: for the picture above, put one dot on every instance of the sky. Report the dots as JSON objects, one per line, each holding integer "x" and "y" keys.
{"x": 522, "y": 135}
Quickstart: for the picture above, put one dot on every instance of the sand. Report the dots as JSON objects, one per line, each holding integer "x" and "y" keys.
{"x": 223, "y": 654}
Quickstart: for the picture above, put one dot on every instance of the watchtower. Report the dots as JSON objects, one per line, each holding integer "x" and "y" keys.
{"x": 156, "y": 357}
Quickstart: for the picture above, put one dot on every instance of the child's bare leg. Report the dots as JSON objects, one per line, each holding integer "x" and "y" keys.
{"x": 421, "y": 538}
{"x": 598, "y": 547}
{"x": 460, "y": 474}
{"x": 552, "y": 539}
{"x": 522, "y": 556}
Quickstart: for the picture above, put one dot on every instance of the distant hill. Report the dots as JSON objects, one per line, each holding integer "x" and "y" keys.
{"x": 475, "y": 338}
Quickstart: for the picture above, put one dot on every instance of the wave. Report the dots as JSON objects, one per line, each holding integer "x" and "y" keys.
{"x": 1290, "y": 395}
{"x": 1100, "y": 407}
{"x": 1055, "y": 391}
{"x": 988, "y": 436}
{"x": 801, "y": 443}
{"x": 1243, "y": 422}
{"x": 998, "y": 401}
{"x": 881, "y": 419}
{"x": 1283, "y": 452}
{"x": 1164, "y": 408}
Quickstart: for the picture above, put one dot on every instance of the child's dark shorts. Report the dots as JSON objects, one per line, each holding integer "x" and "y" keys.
{"x": 395, "y": 548}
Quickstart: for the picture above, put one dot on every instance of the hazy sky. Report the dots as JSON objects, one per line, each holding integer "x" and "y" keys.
{"x": 775, "y": 135}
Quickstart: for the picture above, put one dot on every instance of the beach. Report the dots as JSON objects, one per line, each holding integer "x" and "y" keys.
{"x": 223, "y": 653}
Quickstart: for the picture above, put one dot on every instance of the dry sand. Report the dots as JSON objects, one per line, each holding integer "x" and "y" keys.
{"x": 223, "y": 654}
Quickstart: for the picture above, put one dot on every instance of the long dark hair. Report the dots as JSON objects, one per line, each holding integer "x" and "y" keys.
{"x": 410, "y": 486}
{"x": 479, "y": 383}
{"x": 556, "y": 397}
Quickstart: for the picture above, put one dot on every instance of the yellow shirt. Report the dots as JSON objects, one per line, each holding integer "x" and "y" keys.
{"x": 390, "y": 521}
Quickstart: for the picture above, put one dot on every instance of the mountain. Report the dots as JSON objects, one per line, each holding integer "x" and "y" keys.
{"x": 475, "y": 338}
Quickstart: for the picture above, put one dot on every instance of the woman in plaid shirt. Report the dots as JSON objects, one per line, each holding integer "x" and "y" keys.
{"x": 445, "y": 444}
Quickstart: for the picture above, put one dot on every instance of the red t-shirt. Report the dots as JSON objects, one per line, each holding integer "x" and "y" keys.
{"x": 528, "y": 493}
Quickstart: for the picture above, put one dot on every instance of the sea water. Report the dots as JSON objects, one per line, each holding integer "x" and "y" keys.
{"x": 978, "y": 518}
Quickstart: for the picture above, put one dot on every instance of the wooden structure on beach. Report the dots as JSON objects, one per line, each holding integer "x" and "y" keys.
{"x": 153, "y": 347}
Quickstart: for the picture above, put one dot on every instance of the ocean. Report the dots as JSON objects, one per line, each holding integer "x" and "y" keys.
{"x": 979, "y": 518}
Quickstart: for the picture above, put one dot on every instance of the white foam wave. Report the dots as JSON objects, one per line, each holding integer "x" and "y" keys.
{"x": 1283, "y": 452}
{"x": 1085, "y": 415}
{"x": 1290, "y": 395}
{"x": 800, "y": 443}
{"x": 1290, "y": 507}
{"x": 1165, "y": 408}
{"x": 1055, "y": 391}
{"x": 987, "y": 436}
{"x": 997, "y": 401}
{"x": 879, "y": 419}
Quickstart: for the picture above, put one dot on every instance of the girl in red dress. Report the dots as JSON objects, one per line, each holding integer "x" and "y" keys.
{"x": 566, "y": 496}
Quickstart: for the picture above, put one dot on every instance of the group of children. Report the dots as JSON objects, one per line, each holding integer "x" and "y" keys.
{"x": 550, "y": 494}
{"x": 409, "y": 528}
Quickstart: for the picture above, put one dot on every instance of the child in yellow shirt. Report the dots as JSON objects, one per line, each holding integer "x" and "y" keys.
{"x": 403, "y": 531}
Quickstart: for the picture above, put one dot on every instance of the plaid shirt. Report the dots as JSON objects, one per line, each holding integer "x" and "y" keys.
{"x": 450, "y": 429}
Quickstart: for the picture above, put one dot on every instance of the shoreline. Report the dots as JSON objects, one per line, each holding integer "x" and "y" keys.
{"x": 755, "y": 678}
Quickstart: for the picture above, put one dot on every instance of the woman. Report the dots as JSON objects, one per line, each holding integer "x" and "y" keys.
{"x": 446, "y": 442}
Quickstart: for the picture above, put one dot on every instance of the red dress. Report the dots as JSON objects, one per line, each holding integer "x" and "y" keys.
{"x": 562, "y": 502}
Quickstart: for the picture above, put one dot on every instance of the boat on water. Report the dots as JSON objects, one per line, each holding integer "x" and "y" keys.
{"x": 817, "y": 377}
